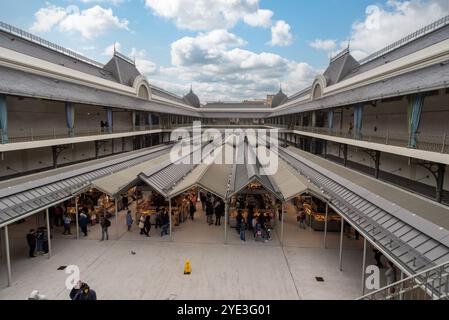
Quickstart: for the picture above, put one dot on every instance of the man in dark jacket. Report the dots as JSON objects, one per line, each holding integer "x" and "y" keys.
{"x": 82, "y": 292}
{"x": 105, "y": 224}
{"x": 31, "y": 240}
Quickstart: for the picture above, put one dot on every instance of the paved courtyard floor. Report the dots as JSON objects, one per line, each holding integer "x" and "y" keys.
{"x": 252, "y": 270}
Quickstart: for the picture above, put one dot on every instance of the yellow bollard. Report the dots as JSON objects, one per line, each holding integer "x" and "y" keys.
{"x": 187, "y": 267}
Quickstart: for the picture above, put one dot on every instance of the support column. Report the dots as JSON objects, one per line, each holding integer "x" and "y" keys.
{"x": 341, "y": 244}
{"x": 8, "y": 256}
{"x": 3, "y": 120}
{"x": 325, "y": 149}
{"x": 226, "y": 221}
{"x": 282, "y": 223}
{"x": 440, "y": 182}
{"x": 47, "y": 215}
{"x": 325, "y": 224}
{"x": 97, "y": 149}
{"x": 77, "y": 219}
{"x": 345, "y": 155}
{"x": 364, "y": 266}
{"x": 170, "y": 220}
{"x": 377, "y": 164}
{"x": 116, "y": 218}
{"x": 54, "y": 150}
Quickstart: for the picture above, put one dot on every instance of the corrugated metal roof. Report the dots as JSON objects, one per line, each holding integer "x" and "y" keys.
{"x": 116, "y": 183}
{"x": 406, "y": 239}
{"x": 25, "y": 198}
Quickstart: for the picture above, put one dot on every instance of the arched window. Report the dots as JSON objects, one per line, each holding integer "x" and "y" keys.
{"x": 316, "y": 92}
{"x": 143, "y": 92}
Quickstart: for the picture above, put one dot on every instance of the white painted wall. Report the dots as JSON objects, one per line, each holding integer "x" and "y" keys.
{"x": 390, "y": 163}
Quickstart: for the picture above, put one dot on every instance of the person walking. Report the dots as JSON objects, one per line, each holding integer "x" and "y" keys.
{"x": 142, "y": 224}
{"x": 203, "y": 200}
{"x": 209, "y": 212}
{"x": 241, "y": 226}
{"x": 192, "y": 209}
{"x": 302, "y": 219}
{"x": 147, "y": 226}
{"x": 129, "y": 220}
{"x": 219, "y": 210}
{"x": 31, "y": 241}
{"x": 165, "y": 219}
{"x": 105, "y": 224}
{"x": 83, "y": 221}
{"x": 67, "y": 221}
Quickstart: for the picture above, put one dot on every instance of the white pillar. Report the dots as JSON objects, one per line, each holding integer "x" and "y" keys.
{"x": 8, "y": 256}
{"x": 48, "y": 232}
{"x": 77, "y": 219}
{"x": 169, "y": 216}
{"x": 226, "y": 222}
{"x": 341, "y": 243}
{"x": 325, "y": 224}
{"x": 364, "y": 266}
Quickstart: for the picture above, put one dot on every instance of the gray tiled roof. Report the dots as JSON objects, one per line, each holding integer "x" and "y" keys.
{"x": 402, "y": 51}
{"x": 25, "y": 84}
{"x": 123, "y": 71}
{"x": 435, "y": 76}
{"x": 35, "y": 50}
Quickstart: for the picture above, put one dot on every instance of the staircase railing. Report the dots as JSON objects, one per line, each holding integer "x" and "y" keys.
{"x": 431, "y": 284}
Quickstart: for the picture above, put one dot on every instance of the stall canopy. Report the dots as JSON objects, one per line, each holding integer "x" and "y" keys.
{"x": 121, "y": 181}
{"x": 211, "y": 176}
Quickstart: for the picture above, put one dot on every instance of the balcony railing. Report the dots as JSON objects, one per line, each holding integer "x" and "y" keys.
{"x": 432, "y": 284}
{"x": 31, "y": 134}
{"x": 426, "y": 142}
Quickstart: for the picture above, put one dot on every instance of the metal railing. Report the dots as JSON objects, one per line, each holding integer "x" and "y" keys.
{"x": 31, "y": 134}
{"x": 432, "y": 284}
{"x": 425, "y": 30}
{"x": 50, "y": 45}
{"x": 426, "y": 142}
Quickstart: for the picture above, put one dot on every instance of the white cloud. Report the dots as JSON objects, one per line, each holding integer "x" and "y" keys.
{"x": 396, "y": 19}
{"x": 223, "y": 71}
{"x": 326, "y": 45}
{"x": 113, "y": 2}
{"x": 209, "y": 15}
{"x": 47, "y": 18}
{"x": 280, "y": 34}
{"x": 145, "y": 66}
{"x": 89, "y": 23}
{"x": 109, "y": 51}
{"x": 260, "y": 18}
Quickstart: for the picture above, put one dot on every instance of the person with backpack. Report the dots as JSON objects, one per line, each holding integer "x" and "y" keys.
{"x": 83, "y": 221}
{"x": 105, "y": 224}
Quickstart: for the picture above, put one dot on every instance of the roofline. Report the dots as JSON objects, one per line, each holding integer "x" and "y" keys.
{"x": 5, "y": 27}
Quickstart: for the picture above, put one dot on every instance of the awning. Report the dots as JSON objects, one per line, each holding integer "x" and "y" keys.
{"x": 119, "y": 182}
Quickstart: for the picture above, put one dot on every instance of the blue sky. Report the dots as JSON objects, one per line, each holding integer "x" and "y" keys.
{"x": 228, "y": 49}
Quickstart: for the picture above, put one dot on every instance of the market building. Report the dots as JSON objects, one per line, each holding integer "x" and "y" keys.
{"x": 363, "y": 152}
